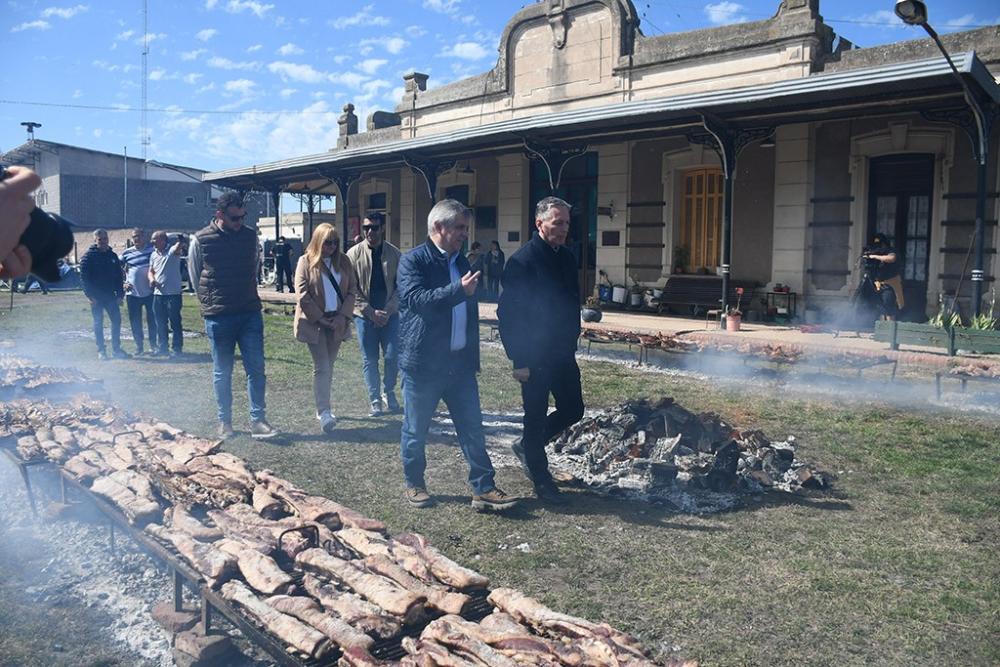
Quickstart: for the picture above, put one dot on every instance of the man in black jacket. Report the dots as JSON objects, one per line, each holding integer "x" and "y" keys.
{"x": 439, "y": 354}
{"x": 101, "y": 273}
{"x": 283, "y": 264}
{"x": 539, "y": 315}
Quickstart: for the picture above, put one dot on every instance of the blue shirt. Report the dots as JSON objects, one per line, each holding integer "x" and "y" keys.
{"x": 136, "y": 262}
{"x": 458, "y": 314}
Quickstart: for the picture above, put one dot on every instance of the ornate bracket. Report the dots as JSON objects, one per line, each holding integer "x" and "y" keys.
{"x": 431, "y": 169}
{"x": 558, "y": 22}
{"x": 554, "y": 158}
{"x": 963, "y": 118}
{"x": 343, "y": 180}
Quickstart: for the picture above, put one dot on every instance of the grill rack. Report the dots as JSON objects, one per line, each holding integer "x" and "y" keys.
{"x": 212, "y": 601}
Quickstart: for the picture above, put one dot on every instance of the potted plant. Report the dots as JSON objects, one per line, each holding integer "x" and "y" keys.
{"x": 591, "y": 311}
{"x": 734, "y": 316}
{"x": 681, "y": 258}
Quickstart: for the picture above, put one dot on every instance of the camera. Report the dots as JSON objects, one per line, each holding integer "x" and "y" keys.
{"x": 48, "y": 238}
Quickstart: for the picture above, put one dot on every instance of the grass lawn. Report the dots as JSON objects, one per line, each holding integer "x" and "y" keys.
{"x": 898, "y": 564}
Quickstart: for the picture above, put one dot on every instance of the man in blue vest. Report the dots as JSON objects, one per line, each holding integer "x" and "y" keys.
{"x": 222, "y": 264}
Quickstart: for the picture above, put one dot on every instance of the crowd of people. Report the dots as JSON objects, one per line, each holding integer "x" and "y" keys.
{"x": 417, "y": 313}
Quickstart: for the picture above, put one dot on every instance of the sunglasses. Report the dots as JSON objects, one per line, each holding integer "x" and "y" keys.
{"x": 371, "y": 228}
{"x": 331, "y": 242}
{"x": 236, "y": 218}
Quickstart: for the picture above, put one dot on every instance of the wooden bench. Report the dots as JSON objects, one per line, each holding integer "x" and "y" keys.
{"x": 703, "y": 292}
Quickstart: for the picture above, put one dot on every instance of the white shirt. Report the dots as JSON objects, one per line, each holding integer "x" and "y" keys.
{"x": 332, "y": 302}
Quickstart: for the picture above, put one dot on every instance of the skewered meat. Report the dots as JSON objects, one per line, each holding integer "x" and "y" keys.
{"x": 428, "y": 653}
{"x": 355, "y": 610}
{"x": 182, "y": 521}
{"x": 444, "y": 569}
{"x": 358, "y": 657}
{"x": 260, "y": 571}
{"x": 250, "y": 536}
{"x": 385, "y": 593}
{"x": 308, "y": 611}
{"x": 437, "y": 597}
{"x": 290, "y": 630}
{"x": 457, "y": 635}
{"x": 546, "y": 621}
{"x": 215, "y": 565}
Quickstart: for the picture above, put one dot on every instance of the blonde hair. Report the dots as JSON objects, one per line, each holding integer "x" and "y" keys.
{"x": 314, "y": 251}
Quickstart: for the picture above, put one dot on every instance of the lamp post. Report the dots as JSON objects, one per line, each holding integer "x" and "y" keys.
{"x": 914, "y": 12}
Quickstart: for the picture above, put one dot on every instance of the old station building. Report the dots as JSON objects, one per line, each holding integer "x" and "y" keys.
{"x": 822, "y": 144}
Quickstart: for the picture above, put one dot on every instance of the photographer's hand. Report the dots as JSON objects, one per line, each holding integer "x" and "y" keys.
{"x": 17, "y": 264}
{"x": 16, "y": 205}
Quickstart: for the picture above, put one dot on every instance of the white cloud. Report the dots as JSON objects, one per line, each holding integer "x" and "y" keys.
{"x": 98, "y": 132}
{"x": 264, "y": 137}
{"x": 442, "y": 6}
{"x": 240, "y": 6}
{"x": 105, "y": 65}
{"x": 206, "y": 34}
{"x": 349, "y": 79}
{"x": 883, "y": 18}
{"x": 32, "y": 25}
{"x": 296, "y": 72}
{"x": 226, "y": 63}
{"x": 241, "y": 86}
{"x": 341, "y": 59}
{"x": 77, "y": 94}
{"x": 192, "y": 55}
{"x": 64, "y": 12}
{"x": 210, "y": 4}
{"x": 255, "y": 48}
{"x": 415, "y": 31}
{"x": 157, "y": 74}
{"x": 725, "y": 12}
{"x": 206, "y": 88}
{"x": 393, "y": 45}
{"x": 290, "y": 50}
{"x": 288, "y": 92}
{"x": 123, "y": 36}
{"x": 192, "y": 78}
{"x": 371, "y": 65}
{"x": 363, "y": 17}
{"x": 466, "y": 51}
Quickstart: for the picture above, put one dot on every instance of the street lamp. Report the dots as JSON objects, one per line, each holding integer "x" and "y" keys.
{"x": 914, "y": 12}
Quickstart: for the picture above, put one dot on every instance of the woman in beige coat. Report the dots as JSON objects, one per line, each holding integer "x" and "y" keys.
{"x": 326, "y": 289}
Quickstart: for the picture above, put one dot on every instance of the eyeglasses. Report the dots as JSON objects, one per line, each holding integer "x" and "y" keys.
{"x": 371, "y": 228}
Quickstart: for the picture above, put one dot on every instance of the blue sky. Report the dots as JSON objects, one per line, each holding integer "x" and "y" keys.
{"x": 215, "y": 64}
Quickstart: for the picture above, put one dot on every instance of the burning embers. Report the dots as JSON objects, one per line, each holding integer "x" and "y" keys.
{"x": 662, "y": 451}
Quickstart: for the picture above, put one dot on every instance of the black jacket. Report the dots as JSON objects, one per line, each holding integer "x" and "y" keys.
{"x": 539, "y": 309}
{"x": 426, "y": 299}
{"x": 101, "y": 274}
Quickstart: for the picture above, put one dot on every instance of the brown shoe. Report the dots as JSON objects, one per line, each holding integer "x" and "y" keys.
{"x": 493, "y": 500}
{"x": 417, "y": 496}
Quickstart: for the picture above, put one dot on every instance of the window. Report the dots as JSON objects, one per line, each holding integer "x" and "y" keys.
{"x": 376, "y": 202}
{"x": 189, "y": 201}
{"x": 701, "y": 218}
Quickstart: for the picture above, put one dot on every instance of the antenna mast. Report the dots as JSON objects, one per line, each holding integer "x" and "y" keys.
{"x": 144, "y": 139}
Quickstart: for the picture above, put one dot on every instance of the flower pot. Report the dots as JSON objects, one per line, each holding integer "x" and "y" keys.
{"x": 618, "y": 294}
{"x": 733, "y": 322}
{"x": 591, "y": 315}
{"x": 635, "y": 299}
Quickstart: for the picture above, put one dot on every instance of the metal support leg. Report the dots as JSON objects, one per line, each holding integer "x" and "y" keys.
{"x": 27, "y": 487}
{"x": 206, "y": 616}
{"x": 111, "y": 539}
{"x": 62, "y": 489}
{"x": 178, "y": 591}
{"x": 937, "y": 385}
{"x": 895, "y": 366}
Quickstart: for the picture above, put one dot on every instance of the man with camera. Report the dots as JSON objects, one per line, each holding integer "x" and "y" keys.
{"x": 138, "y": 293}
{"x": 888, "y": 284}
{"x": 101, "y": 273}
{"x": 222, "y": 264}
{"x": 165, "y": 280}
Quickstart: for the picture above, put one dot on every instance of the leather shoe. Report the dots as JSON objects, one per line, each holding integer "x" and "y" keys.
{"x": 548, "y": 493}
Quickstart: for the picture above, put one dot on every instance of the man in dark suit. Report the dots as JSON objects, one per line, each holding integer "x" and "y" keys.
{"x": 439, "y": 354}
{"x": 539, "y": 315}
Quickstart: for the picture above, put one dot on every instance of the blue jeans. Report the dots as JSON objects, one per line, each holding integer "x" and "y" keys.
{"x": 110, "y": 306}
{"x": 225, "y": 332}
{"x": 136, "y": 304}
{"x": 460, "y": 392}
{"x": 167, "y": 308}
{"x": 373, "y": 338}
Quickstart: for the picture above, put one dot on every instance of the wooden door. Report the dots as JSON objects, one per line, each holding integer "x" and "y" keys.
{"x": 701, "y": 219}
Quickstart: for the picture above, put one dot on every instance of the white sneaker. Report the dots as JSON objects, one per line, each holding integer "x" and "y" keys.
{"x": 327, "y": 422}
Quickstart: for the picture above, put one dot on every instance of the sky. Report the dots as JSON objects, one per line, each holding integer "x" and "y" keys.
{"x": 238, "y": 82}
